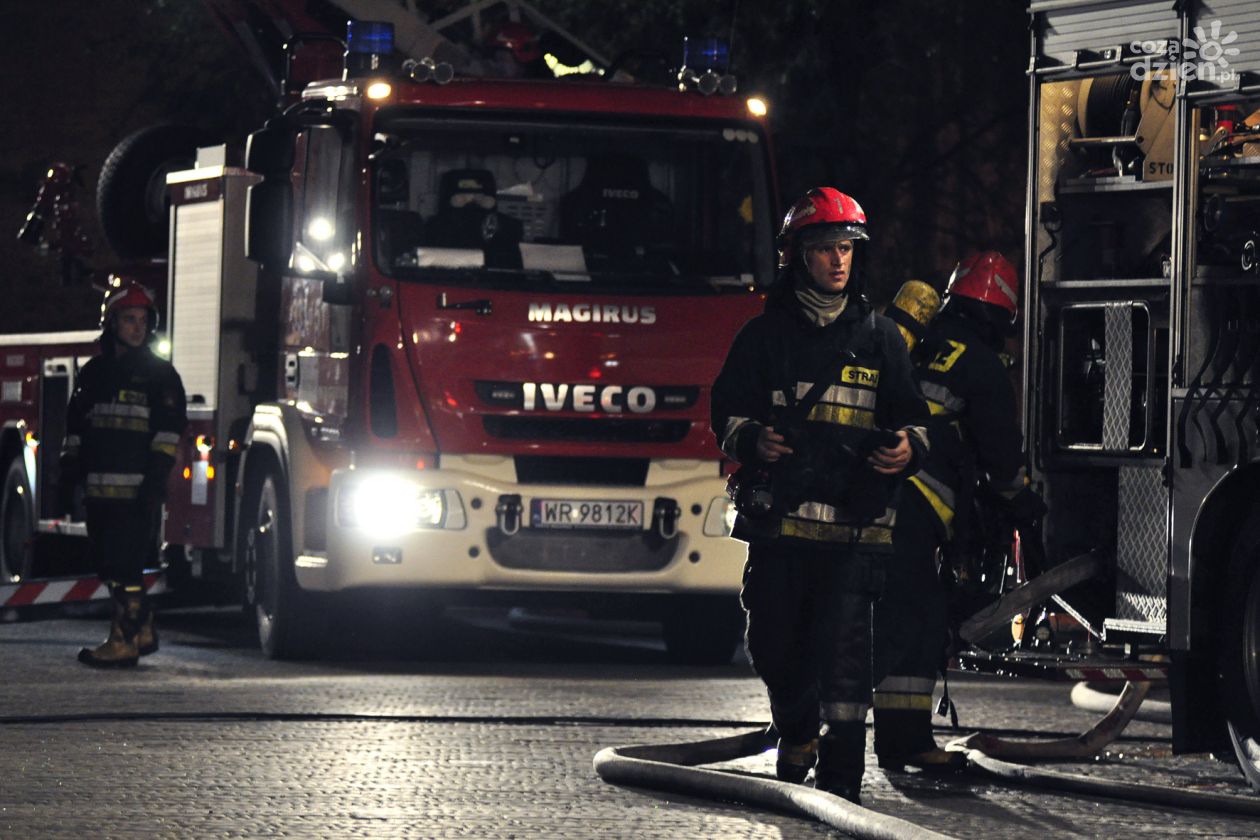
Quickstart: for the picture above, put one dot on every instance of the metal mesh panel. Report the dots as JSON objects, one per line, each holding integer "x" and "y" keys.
{"x": 1118, "y": 385}
{"x": 1142, "y": 547}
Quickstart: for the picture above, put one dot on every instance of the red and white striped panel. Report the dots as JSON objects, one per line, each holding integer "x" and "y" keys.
{"x": 67, "y": 591}
{"x": 1128, "y": 673}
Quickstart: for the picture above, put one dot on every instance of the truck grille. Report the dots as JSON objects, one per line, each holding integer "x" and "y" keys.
{"x": 583, "y": 430}
{"x": 619, "y": 472}
{"x": 580, "y": 552}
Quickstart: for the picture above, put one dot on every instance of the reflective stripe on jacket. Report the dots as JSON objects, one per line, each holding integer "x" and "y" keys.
{"x": 123, "y": 425}
{"x": 774, "y": 362}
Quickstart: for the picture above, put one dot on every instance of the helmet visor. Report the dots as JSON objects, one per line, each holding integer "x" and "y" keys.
{"x": 822, "y": 236}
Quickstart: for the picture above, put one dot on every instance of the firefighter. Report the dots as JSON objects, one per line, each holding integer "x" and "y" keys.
{"x": 468, "y": 217}
{"x": 123, "y": 424}
{"x": 974, "y": 432}
{"x": 815, "y": 560}
{"x": 513, "y": 50}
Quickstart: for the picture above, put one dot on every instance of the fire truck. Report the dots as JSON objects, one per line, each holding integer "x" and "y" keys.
{"x": 1141, "y": 361}
{"x": 449, "y": 333}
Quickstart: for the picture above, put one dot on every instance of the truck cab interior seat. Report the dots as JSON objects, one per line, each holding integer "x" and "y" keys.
{"x": 615, "y": 210}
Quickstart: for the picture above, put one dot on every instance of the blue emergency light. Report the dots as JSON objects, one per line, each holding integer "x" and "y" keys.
{"x": 368, "y": 45}
{"x": 701, "y": 54}
{"x": 369, "y": 36}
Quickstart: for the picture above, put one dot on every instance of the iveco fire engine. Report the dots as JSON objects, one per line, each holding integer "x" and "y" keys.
{"x": 1142, "y": 351}
{"x": 455, "y": 334}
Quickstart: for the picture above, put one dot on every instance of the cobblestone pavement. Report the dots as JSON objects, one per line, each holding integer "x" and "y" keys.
{"x": 482, "y": 732}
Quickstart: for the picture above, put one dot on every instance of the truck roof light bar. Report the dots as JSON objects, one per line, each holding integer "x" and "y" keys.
{"x": 428, "y": 70}
{"x": 704, "y": 67}
{"x": 707, "y": 83}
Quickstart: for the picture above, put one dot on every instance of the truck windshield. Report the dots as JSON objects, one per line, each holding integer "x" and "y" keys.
{"x": 658, "y": 207}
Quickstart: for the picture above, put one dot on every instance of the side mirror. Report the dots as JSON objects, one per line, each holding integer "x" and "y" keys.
{"x": 269, "y": 224}
{"x": 269, "y": 151}
{"x": 269, "y": 204}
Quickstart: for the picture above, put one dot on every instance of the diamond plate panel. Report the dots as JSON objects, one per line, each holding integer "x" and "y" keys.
{"x": 1118, "y": 381}
{"x": 1058, "y": 125}
{"x": 1142, "y": 547}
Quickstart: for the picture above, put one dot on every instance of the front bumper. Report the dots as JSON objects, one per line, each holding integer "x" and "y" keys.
{"x": 482, "y": 537}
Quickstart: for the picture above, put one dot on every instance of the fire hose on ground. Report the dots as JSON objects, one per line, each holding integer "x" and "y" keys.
{"x": 675, "y": 768}
{"x": 672, "y": 767}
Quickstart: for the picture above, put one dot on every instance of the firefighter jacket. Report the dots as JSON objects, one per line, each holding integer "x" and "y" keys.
{"x": 974, "y": 423}
{"x": 123, "y": 425}
{"x": 825, "y": 491}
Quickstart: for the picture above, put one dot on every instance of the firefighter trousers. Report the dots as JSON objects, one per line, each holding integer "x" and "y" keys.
{"x": 911, "y": 633}
{"x": 123, "y": 539}
{"x": 809, "y": 640}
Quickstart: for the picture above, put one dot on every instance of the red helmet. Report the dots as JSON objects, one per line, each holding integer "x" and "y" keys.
{"x": 517, "y": 37}
{"x": 820, "y": 206}
{"x": 989, "y": 278}
{"x": 122, "y": 294}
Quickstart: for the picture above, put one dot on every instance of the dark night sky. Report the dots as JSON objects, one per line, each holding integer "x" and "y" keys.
{"x": 917, "y": 108}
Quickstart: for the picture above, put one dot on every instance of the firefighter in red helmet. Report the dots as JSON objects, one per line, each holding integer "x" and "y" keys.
{"x": 974, "y": 434}
{"x": 123, "y": 424}
{"x": 513, "y": 49}
{"x": 817, "y": 403}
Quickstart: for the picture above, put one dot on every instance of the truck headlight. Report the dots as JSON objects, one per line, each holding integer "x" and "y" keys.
{"x": 720, "y": 519}
{"x": 389, "y": 505}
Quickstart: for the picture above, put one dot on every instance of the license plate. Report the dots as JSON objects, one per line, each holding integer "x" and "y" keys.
{"x": 584, "y": 513}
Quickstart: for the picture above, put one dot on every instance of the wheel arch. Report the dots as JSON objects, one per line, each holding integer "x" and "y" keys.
{"x": 11, "y": 442}
{"x": 1212, "y": 533}
{"x": 278, "y": 437}
{"x": 1196, "y": 677}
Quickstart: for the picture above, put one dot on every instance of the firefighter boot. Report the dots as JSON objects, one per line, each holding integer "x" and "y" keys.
{"x": 903, "y": 738}
{"x": 795, "y": 760}
{"x": 842, "y": 759}
{"x": 119, "y": 649}
{"x": 147, "y": 635}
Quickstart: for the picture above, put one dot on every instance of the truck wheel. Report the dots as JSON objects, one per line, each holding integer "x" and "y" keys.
{"x": 18, "y": 523}
{"x": 288, "y": 626}
{"x": 131, "y": 197}
{"x": 703, "y": 631}
{"x": 1240, "y": 648}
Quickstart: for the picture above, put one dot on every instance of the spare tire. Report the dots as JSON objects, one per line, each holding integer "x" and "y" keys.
{"x": 131, "y": 197}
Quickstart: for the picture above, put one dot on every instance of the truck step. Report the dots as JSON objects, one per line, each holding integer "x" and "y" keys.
{"x": 1059, "y": 667}
{"x": 67, "y": 590}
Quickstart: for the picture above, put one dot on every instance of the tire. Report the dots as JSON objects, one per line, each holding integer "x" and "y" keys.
{"x": 17, "y": 524}
{"x": 131, "y": 195}
{"x": 1239, "y": 635}
{"x": 703, "y": 631}
{"x": 288, "y": 621}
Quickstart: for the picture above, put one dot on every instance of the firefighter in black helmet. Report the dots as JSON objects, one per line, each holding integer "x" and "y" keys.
{"x": 123, "y": 425}
{"x": 974, "y": 435}
{"x": 816, "y": 553}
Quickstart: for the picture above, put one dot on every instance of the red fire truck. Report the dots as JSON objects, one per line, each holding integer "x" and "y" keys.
{"x": 1142, "y": 354}
{"x": 455, "y": 334}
